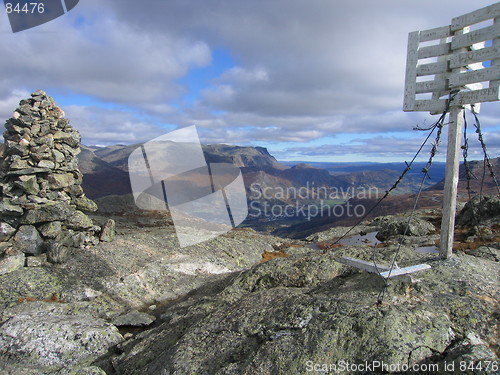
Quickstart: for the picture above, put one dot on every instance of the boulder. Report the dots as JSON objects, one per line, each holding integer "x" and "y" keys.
{"x": 56, "y": 251}
{"x": 483, "y": 210}
{"x": 391, "y": 226}
{"x": 84, "y": 204}
{"x": 28, "y": 240}
{"x": 53, "y": 340}
{"x": 11, "y": 263}
{"x": 78, "y": 220}
{"x": 29, "y": 184}
{"x": 51, "y": 229}
{"x": 133, "y": 318}
{"x": 6, "y": 231}
{"x": 60, "y": 180}
{"x": 7, "y": 208}
{"x": 108, "y": 231}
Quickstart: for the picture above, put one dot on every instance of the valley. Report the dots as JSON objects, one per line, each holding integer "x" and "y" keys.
{"x": 297, "y": 198}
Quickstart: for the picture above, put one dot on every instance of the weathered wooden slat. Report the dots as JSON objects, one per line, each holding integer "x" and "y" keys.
{"x": 435, "y": 106}
{"x": 477, "y": 16}
{"x": 436, "y": 33}
{"x": 431, "y": 86}
{"x": 363, "y": 265}
{"x": 441, "y": 77}
{"x": 405, "y": 270}
{"x": 411, "y": 71}
{"x": 456, "y": 59}
{"x": 476, "y": 36}
{"x": 490, "y": 94}
{"x": 479, "y": 65}
{"x": 496, "y": 62}
{"x": 432, "y": 68}
{"x": 434, "y": 51}
{"x": 463, "y": 59}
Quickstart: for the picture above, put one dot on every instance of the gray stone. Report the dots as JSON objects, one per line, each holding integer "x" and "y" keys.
{"x": 60, "y": 180}
{"x": 51, "y": 229}
{"x": 28, "y": 183}
{"x": 19, "y": 164}
{"x": 46, "y": 164}
{"x": 56, "y": 251}
{"x": 134, "y": 318}
{"x": 21, "y": 150}
{"x": 28, "y": 240}
{"x": 49, "y": 212}
{"x": 84, "y": 204}
{"x": 27, "y": 171}
{"x": 74, "y": 190}
{"x": 6, "y": 231}
{"x": 36, "y": 261}
{"x": 480, "y": 211}
{"x": 47, "y": 140}
{"x": 70, "y": 138}
{"x": 11, "y": 263}
{"x": 39, "y": 93}
{"x": 108, "y": 231}
{"x": 55, "y": 340}
{"x": 58, "y": 156}
{"x": 391, "y": 226}
{"x": 7, "y": 208}
{"x": 78, "y": 220}
{"x": 38, "y": 200}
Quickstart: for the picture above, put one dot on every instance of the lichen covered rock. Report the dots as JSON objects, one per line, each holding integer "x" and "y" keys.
{"x": 55, "y": 339}
{"x": 481, "y": 210}
{"x": 275, "y": 319}
{"x": 391, "y": 226}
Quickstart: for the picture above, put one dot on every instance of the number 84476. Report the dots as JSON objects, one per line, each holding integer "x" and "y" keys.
{"x": 26, "y": 8}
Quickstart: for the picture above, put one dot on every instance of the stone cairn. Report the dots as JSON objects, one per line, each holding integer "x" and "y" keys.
{"x": 42, "y": 200}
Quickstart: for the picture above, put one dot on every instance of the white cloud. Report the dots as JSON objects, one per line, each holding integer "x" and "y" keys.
{"x": 303, "y": 70}
{"x": 105, "y": 126}
{"x": 104, "y": 57}
{"x": 9, "y": 103}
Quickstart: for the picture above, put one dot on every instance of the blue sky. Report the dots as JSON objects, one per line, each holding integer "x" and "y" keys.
{"x": 317, "y": 80}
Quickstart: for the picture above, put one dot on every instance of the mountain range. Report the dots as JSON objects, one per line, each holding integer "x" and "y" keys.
{"x": 274, "y": 185}
{"x": 106, "y": 168}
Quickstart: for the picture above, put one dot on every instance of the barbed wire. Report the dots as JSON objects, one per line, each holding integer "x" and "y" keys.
{"x": 425, "y": 171}
{"x": 469, "y": 175}
{"x": 437, "y": 125}
{"x": 477, "y": 125}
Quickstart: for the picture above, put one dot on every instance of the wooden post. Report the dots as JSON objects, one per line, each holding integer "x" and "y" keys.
{"x": 451, "y": 181}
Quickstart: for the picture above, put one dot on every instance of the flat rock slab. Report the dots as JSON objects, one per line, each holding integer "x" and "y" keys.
{"x": 11, "y": 263}
{"x": 134, "y": 318}
{"x": 53, "y": 339}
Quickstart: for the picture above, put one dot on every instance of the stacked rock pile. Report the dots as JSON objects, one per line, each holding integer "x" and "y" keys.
{"x": 42, "y": 204}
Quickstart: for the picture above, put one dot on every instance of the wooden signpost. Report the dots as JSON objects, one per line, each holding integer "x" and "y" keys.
{"x": 463, "y": 71}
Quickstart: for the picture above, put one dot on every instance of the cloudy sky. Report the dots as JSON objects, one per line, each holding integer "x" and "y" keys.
{"x": 318, "y": 80}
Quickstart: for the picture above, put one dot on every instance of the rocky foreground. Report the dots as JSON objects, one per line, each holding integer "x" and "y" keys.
{"x": 141, "y": 305}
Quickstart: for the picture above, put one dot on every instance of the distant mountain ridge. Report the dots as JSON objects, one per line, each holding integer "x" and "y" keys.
{"x": 105, "y": 172}
{"x": 249, "y": 157}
